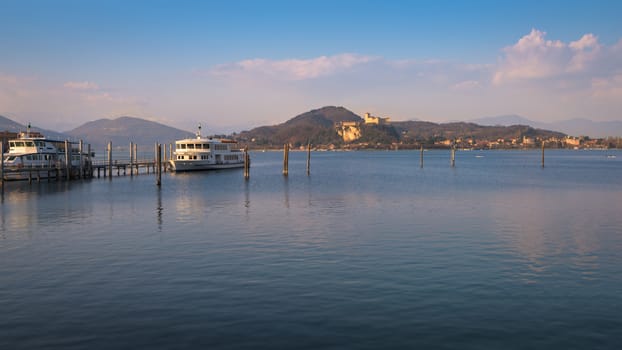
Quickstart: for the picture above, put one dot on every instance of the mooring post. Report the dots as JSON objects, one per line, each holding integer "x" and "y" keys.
{"x": 80, "y": 167}
{"x": 109, "y": 161}
{"x": 170, "y": 153}
{"x": 2, "y": 166}
{"x": 246, "y": 164}
{"x": 136, "y": 157}
{"x": 131, "y": 159}
{"x": 159, "y": 164}
{"x": 453, "y": 156}
{"x": 68, "y": 159}
{"x": 165, "y": 161}
{"x": 285, "y": 159}
{"x": 90, "y": 162}
{"x": 421, "y": 157}
{"x": 543, "y": 153}
{"x": 309, "y": 158}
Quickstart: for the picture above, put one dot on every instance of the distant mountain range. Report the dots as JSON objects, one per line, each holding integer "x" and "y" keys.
{"x": 7, "y": 124}
{"x": 123, "y": 130}
{"x": 574, "y": 127}
{"x": 318, "y": 127}
{"x": 120, "y": 131}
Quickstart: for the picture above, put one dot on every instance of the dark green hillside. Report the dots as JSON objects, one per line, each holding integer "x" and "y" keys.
{"x": 316, "y": 126}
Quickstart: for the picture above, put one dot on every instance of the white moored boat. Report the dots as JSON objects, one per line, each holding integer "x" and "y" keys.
{"x": 206, "y": 154}
{"x": 37, "y": 151}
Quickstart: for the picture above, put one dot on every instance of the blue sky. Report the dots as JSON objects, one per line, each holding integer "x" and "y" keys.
{"x": 233, "y": 65}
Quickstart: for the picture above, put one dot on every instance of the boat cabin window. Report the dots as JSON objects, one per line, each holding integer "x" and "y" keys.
{"x": 190, "y": 146}
{"x": 182, "y": 145}
{"x": 30, "y": 144}
{"x": 19, "y": 144}
{"x": 10, "y": 158}
{"x": 40, "y": 143}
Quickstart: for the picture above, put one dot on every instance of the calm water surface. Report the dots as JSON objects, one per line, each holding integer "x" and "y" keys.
{"x": 368, "y": 252}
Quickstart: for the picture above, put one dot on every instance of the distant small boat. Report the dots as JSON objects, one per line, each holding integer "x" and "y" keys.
{"x": 206, "y": 154}
{"x": 611, "y": 156}
{"x": 479, "y": 156}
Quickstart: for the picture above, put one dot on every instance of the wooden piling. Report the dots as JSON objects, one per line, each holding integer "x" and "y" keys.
{"x": 136, "y": 157}
{"x": 68, "y": 159}
{"x": 453, "y": 156}
{"x": 109, "y": 160}
{"x": 90, "y": 170}
{"x": 170, "y": 153}
{"x": 81, "y": 167}
{"x": 247, "y": 164}
{"x": 2, "y": 166}
{"x": 159, "y": 164}
{"x": 286, "y": 159}
{"x": 421, "y": 158}
{"x": 543, "y": 153}
{"x": 308, "y": 158}
{"x": 131, "y": 159}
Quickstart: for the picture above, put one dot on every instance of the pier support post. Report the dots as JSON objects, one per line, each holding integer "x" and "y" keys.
{"x": 136, "y": 157}
{"x": 131, "y": 159}
{"x": 90, "y": 162}
{"x": 80, "y": 151}
{"x": 2, "y": 167}
{"x": 170, "y": 153}
{"x": 286, "y": 159}
{"x": 159, "y": 164}
{"x": 164, "y": 156}
{"x": 68, "y": 159}
{"x": 421, "y": 157}
{"x": 109, "y": 161}
{"x": 453, "y": 156}
{"x": 308, "y": 158}
{"x": 543, "y": 153}
{"x": 247, "y": 163}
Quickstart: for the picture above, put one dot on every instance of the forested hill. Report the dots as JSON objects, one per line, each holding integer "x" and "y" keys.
{"x": 318, "y": 128}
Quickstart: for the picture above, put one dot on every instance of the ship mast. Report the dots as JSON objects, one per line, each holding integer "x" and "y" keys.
{"x": 199, "y": 132}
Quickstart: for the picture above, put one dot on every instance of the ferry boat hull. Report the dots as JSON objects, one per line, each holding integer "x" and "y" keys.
{"x": 190, "y": 165}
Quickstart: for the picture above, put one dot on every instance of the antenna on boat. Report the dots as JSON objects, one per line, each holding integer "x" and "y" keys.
{"x": 28, "y": 130}
{"x": 199, "y": 132}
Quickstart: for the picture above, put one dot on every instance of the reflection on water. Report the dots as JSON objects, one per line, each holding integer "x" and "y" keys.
{"x": 367, "y": 251}
{"x": 159, "y": 209}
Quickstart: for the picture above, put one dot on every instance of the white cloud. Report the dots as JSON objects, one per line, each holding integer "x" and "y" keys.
{"x": 81, "y": 85}
{"x": 532, "y": 57}
{"x": 292, "y": 69}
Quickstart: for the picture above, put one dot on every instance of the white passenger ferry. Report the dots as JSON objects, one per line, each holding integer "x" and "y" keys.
{"x": 206, "y": 154}
{"x": 33, "y": 150}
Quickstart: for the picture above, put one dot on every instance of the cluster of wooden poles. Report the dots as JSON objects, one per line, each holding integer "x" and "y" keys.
{"x": 286, "y": 159}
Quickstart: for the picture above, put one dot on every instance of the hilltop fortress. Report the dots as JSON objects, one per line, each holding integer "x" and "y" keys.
{"x": 351, "y": 131}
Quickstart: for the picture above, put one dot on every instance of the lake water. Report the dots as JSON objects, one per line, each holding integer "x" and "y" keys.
{"x": 370, "y": 251}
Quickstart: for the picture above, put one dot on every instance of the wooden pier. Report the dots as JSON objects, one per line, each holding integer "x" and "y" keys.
{"x": 88, "y": 167}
